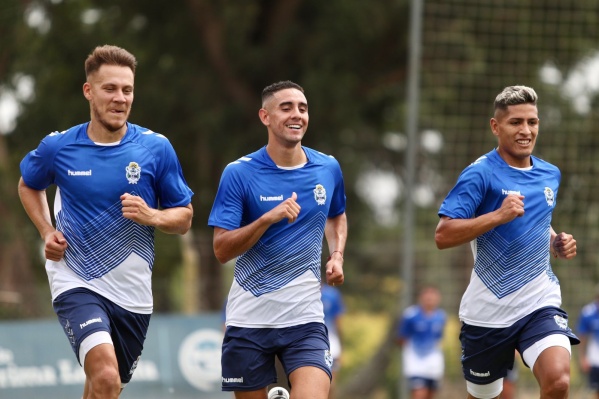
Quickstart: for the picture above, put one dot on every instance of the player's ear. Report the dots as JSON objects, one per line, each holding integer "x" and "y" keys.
{"x": 493, "y": 122}
{"x": 264, "y": 117}
{"x": 87, "y": 90}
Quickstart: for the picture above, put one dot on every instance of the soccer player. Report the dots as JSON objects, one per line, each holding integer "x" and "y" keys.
{"x": 419, "y": 334}
{"x": 502, "y": 204}
{"x": 116, "y": 182}
{"x": 271, "y": 211}
{"x": 588, "y": 331}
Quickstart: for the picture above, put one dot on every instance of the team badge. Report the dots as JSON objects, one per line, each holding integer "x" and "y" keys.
{"x": 133, "y": 172}
{"x": 561, "y": 322}
{"x": 328, "y": 358}
{"x": 549, "y": 196}
{"x": 320, "y": 194}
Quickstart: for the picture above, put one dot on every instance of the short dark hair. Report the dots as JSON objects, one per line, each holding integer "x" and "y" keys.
{"x": 109, "y": 55}
{"x": 275, "y": 87}
{"x": 515, "y": 95}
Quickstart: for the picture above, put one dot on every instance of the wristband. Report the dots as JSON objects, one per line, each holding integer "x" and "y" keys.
{"x": 331, "y": 255}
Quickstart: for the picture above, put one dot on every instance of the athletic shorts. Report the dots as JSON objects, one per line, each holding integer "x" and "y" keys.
{"x": 248, "y": 354}
{"x": 488, "y": 353}
{"x": 421, "y": 382}
{"x": 82, "y": 312}
{"x": 594, "y": 378}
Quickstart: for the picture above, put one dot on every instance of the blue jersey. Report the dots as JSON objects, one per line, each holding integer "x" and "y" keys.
{"x": 283, "y": 268}
{"x": 512, "y": 274}
{"x": 333, "y": 307}
{"x": 588, "y": 326}
{"x": 106, "y": 252}
{"x": 422, "y": 355}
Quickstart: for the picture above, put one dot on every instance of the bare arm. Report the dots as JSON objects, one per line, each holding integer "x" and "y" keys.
{"x": 453, "y": 232}
{"x": 36, "y": 206}
{"x": 335, "y": 231}
{"x": 175, "y": 220}
{"x": 229, "y": 244}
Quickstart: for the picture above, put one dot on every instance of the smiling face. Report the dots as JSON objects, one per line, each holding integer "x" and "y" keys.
{"x": 109, "y": 91}
{"x": 285, "y": 115}
{"x": 516, "y": 129}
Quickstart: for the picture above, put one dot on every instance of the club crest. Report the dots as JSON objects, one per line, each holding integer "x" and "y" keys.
{"x": 320, "y": 194}
{"x": 133, "y": 172}
{"x": 549, "y": 196}
{"x": 328, "y": 358}
{"x": 561, "y": 322}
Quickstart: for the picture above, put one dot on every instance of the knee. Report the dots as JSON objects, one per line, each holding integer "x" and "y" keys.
{"x": 106, "y": 380}
{"x": 557, "y": 387}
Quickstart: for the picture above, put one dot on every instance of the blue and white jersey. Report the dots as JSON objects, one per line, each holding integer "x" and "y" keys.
{"x": 422, "y": 355}
{"x": 106, "y": 252}
{"x": 277, "y": 281}
{"x": 588, "y": 326}
{"x": 512, "y": 275}
{"x": 333, "y": 307}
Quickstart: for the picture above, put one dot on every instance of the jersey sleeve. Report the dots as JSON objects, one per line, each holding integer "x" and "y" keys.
{"x": 404, "y": 328}
{"x": 172, "y": 189}
{"x": 467, "y": 194}
{"x": 36, "y": 166}
{"x": 339, "y": 199}
{"x": 227, "y": 209}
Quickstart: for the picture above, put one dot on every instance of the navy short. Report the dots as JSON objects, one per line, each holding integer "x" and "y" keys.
{"x": 420, "y": 383}
{"x": 248, "y": 354}
{"x": 594, "y": 378}
{"x": 488, "y": 353}
{"x": 82, "y": 312}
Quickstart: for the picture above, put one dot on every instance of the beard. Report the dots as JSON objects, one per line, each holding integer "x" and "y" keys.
{"x": 112, "y": 127}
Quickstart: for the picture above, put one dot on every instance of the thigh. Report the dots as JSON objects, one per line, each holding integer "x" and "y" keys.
{"x": 80, "y": 313}
{"x": 487, "y": 353}
{"x": 129, "y": 332}
{"x": 541, "y": 324}
{"x": 248, "y": 360}
{"x": 306, "y": 345}
{"x": 310, "y": 382}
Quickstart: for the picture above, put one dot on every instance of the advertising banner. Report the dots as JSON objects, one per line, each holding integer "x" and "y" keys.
{"x": 181, "y": 359}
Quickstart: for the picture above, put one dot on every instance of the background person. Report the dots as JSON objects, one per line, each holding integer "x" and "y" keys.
{"x": 420, "y": 332}
{"x": 272, "y": 209}
{"x": 112, "y": 177}
{"x": 588, "y": 331}
{"x": 334, "y": 308}
{"x": 511, "y": 379}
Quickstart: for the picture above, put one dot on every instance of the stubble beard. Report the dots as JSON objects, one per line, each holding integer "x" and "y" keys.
{"x": 111, "y": 127}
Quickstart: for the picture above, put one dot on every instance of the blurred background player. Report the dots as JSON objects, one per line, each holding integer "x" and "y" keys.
{"x": 511, "y": 379}
{"x": 334, "y": 308}
{"x": 419, "y": 334}
{"x": 588, "y": 332}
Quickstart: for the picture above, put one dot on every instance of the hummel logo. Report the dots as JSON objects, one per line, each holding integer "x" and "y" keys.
{"x": 508, "y": 192}
{"x": 275, "y": 198}
{"x": 79, "y": 172}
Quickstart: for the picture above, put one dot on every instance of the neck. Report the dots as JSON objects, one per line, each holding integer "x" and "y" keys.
{"x": 99, "y": 134}
{"x": 287, "y": 156}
